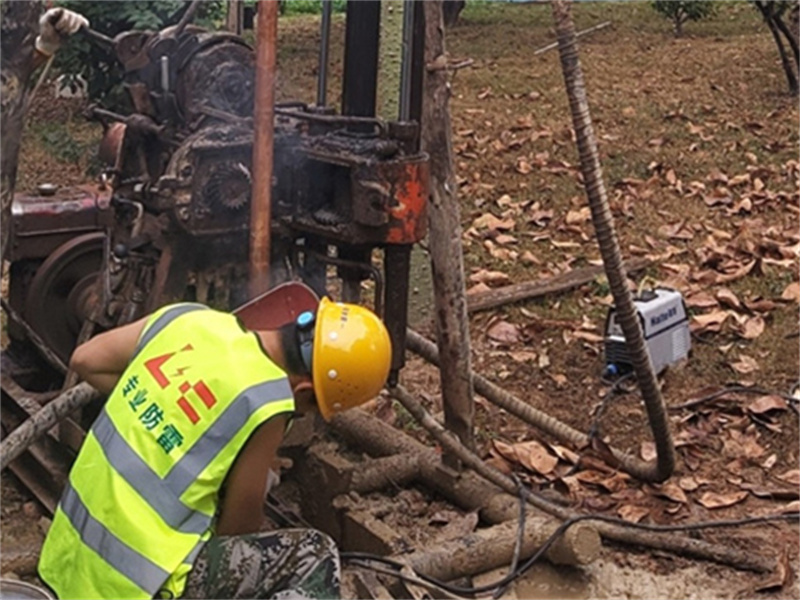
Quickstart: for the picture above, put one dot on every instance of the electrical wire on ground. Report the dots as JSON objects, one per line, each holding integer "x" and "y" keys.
{"x": 359, "y": 558}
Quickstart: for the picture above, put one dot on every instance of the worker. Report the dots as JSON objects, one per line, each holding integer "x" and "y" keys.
{"x": 19, "y": 61}
{"x": 165, "y": 498}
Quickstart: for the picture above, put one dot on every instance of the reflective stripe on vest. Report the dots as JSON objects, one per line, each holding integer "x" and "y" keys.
{"x": 123, "y": 558}
{"x": 141, "y": 513}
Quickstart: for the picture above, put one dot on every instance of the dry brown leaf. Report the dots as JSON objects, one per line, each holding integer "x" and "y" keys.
{"x": 770, "y": 461}
{"x": 499, "y": 463}
{"x": 792, "y": 292}
{"x": 590, "y": 477}
{"x": 576, "y": 217}
{"x": 558, "y": 244}
{"x": 792, "y": 477}
{"x": 504, "y": 332}
{"x": 529, "y": 258}
{"x": 588, "y": 336}
{"x": 745, "y": 365}
{"x": 647, "y": 450}
{"x": 688, "y": 484}
{"x": 535, "y": 457}
{"x": 491, "y": 278}
{"x": 504, "y": 238}
{"x": 523, "y": 166}
{"x": 712, "y": 321}
{"x": 752, "y": 328}
{"x": 478, "y": 288}
{"x": 523, "y": 356}
{"x": 493, "y": 223}
{"x": 540, "y": 217}
{"x": 701, "y": 300}
{"x": 736, "y": 274}
{"x": 565, "y": 453}
{"x": 631, "y": 513}
{"x": 778, "y": 578}
{"x": 671, "y": 491}
{"x": 727, "y": 298}
{"x": 792, "y": 507}
{"x": 764, "y": 404}
{"x": 544, "y": 360}
{"x": 711, "y": 500}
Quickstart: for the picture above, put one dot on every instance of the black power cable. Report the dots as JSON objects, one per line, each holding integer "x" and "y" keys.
{"x": 358, "y": 558}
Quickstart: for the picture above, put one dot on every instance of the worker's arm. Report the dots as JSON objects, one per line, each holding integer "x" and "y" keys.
{"x": 55, "y": 25}
{"x": 102, "y": 360}
{"x": 246, "y": 486}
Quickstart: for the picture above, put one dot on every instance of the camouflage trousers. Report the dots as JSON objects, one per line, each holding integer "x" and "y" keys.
{"x": 286, "y": 564}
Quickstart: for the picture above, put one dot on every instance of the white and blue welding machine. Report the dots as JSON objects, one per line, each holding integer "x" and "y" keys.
{"x": 665, "y": 324}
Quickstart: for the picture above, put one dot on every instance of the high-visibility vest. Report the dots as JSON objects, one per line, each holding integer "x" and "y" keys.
{"x": 143, "y": 492}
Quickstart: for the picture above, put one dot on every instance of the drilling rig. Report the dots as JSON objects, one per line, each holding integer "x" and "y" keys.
{"x": 170, "y": 219}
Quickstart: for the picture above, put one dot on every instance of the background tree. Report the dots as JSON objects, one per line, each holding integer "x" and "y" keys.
{"x": 681, "y": 11}
{"x": 774, "y": 12}
{"x": 20, "y": 26}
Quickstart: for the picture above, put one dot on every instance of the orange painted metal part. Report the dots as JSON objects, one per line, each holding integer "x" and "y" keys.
{"x": 408, "y": 216}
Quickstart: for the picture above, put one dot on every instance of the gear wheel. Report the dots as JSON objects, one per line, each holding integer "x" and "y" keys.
{"x": 229, "y": 186}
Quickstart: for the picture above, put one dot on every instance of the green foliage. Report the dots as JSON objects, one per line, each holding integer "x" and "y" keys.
{"x": 97, "y": 63}
{"x": 309, "y": 7}
{"x": 60, "y": 143}
{"x": 681, "y": 11}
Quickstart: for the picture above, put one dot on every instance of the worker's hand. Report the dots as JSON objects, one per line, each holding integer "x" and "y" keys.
{"x": 54, "y": 26}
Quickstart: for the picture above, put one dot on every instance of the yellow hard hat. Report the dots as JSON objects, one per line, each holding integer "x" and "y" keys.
{"x": 351, "y": 356}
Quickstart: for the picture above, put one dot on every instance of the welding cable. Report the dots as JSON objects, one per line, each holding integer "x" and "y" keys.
{"x": 616, "y": 388}
{"x": 594, "y": 430}
{"x": 358, "y": 558}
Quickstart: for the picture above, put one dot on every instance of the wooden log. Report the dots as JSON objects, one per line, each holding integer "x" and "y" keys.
{"x": 617, "y": 532}
{"x": 464, "y": 489}
{"x": 493, "y": 547}
{"x": 444, "y": 222}
{"x": 383, "y": 472}
{"x": 544, "y": 287}
{"x": 23, "y": 436}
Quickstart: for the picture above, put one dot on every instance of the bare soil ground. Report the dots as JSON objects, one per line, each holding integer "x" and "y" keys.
{"x": 698, "y": 141}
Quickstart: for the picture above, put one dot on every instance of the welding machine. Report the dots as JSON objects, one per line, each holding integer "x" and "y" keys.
{"x": 665, "y": 324}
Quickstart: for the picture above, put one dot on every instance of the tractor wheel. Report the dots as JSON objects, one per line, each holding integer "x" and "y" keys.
{"x": 62, "y": 293}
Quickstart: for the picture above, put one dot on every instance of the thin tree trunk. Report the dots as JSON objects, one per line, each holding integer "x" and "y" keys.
{"x": 444, "y": 218}
{"x": 20, "y": 24}
{"x": 609, "y": 245}
{"x": 791, "y": 37}
{"x": 766, "y": 10}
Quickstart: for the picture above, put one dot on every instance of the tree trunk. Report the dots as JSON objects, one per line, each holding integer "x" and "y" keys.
{"x": 20, "y": 25}
{"x": 767, "y": 10}
{"x": 444, "y": 218}
{"x": 790, "y": 33}
{"x": 603, "y": 222}
{"x": 452, "y": 10}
